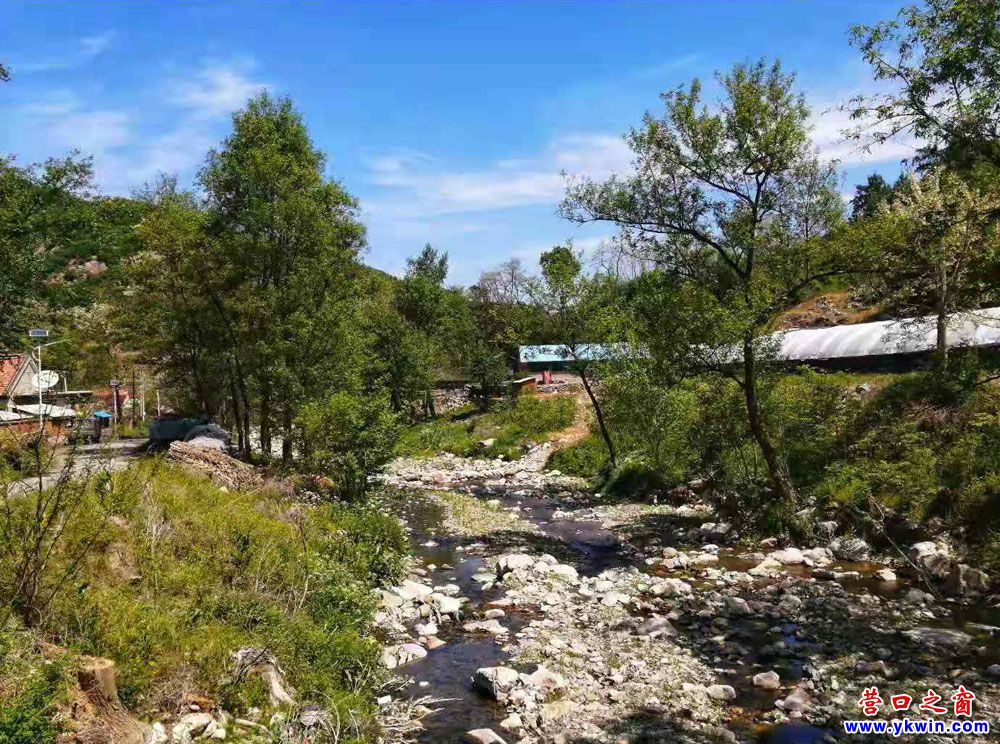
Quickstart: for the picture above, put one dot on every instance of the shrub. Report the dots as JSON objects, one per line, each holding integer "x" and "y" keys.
{"x": 22, "y": 455}
{"x": 513, "y": 426}
{"x": 30, "y": 688}
{"x": 587, "y": 458}
{"x": 347, "y": 437}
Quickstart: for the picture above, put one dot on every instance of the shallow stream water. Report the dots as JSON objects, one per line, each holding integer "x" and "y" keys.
{"x": 447, "y": 671}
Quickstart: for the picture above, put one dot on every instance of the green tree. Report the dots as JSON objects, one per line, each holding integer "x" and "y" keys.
{"x": 933, "y": 250}
{"x": 731, "y": 206}
{"x": 42, "y": 206}
{"x": 941, "y": 61}
{"x": 870, "y": 196}
{"x": 288, "y": 240}
{"x": 164, "y": 305}
{"x": 501, "y": 316}
{"x": 347, "y": 438}
{"x": 567, "y": 297}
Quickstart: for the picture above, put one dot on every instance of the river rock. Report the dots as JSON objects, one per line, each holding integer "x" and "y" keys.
{"x": 425, "y": 629}
{"x": 941, "y": 639}
{"x": 512, "y": 723}
{"x": 932, "y": 557}
{"x": 850, "y": 548}
{"x": 765, "y": 568}
{"x": 563, "y": 570}
{"x": 671, "y": 587}
{"x": 412, "y": 591}
{"x": 192, "y": 726}
{"x": 797, "y": 701}
{"x": 993, "y": 670}
{"x": 721, "y": 692}
{"x": 544, "y": 679}
{"x": 495, "y": 681}
{"x": 963, "y": 580}
{"x": 788, "y": 556}
{"x": 767, "y": 680}
{"x": 656, "y": 626}
{"x": 447, "y": 605}
{"x": 886, "y": 574}
{"x": 485, "y": 626}
{"x": 514, "y": 561}
{"x": 818, "y": 556}
{"x": 483, "y": 736}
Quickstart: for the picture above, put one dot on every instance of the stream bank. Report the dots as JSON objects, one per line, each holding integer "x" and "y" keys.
{"x": 648, "y": 623}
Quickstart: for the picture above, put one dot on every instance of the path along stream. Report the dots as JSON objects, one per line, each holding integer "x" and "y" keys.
{"x": 651, "y": 623}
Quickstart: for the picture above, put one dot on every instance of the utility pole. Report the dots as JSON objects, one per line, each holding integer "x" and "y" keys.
{"x": 132, "y": 407}
{"x": 114, "y": 384}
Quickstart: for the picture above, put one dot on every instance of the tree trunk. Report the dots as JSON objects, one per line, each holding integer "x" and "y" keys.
{"x": 286, "y": 434}
{"x": 265, "y": 419}
{"x": 241, "y": 441}
{"x": 599, "y": 413}
{"x": 776, "y": 469}
{"x": 942, "y": 322}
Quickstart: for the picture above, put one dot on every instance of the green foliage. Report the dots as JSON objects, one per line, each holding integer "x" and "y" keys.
{"x": 20, "y": 453}
{"x": 30, "y": 688}
{"x": 633, "y": 480}
{"x": 347, "y": 438}
{"x": 731, "y": 205}
{"x": 940, "y": 60}
{"x": 587, "y": 458}
{"x": 513, "y": 427}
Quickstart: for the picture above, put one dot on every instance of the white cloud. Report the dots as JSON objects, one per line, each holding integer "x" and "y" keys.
{"x": 94, "y": 45}
{"x": 829, "y": 126}
{"x": 214, "y": 90}
{"x": 418, "y": 185}
{"x": 94, "y": 132}
{"x": 87, "y": 48}
{"x": 130, "y": 144}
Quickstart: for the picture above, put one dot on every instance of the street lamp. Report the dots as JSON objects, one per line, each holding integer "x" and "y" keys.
{"x": 41, "y": 333}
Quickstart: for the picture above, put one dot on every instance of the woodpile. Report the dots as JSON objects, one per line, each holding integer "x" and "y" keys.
{"x": 223, "y": 469}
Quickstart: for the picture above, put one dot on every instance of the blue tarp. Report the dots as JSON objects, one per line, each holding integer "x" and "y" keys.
{"x": 102, "y": 414}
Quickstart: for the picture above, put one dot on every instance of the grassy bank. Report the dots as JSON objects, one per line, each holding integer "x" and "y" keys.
{"x": 512, "y": 426}
{"x": 183, "y": 574}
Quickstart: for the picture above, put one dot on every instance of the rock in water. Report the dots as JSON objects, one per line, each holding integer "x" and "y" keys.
{"x": 767, "y": 680}
{"x": 788, "y": 556}
{"x": 932, "y": 557}
{"x": 721, "y": 692}
{"x": 963, "y": 580}
{"x": 850, "y": 549}
{"x": 495, "y": 681}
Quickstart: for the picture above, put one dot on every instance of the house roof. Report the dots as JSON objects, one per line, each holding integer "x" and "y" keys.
{"x": 47, "y": 409}
{"x": 548, "y": 353}
{"x": 979, "y": 328}
{"x": 9, "y": 366}
{"x": 886, "y": 338}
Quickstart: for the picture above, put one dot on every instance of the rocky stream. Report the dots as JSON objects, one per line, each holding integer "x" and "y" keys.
{"x": 536, "y": 613}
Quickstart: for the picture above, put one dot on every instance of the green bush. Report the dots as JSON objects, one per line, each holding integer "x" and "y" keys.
{"x": 20, "y": 453}
{"x": 347, "y": 437}
{"x": 30, "y": 688}
{"x": 513, "y": 426}
{"x": 587, "y": 458}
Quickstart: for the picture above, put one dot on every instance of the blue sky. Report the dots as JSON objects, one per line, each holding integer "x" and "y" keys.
{"x": 450, "y": 121}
